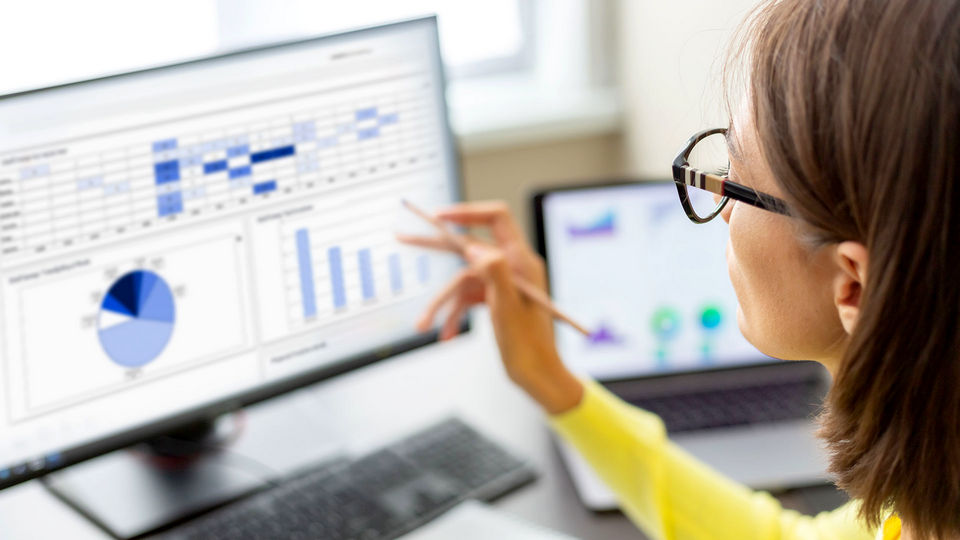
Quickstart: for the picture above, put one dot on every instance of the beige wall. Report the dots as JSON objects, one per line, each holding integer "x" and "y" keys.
{"x": 671, "y": 57}
{"x": 512, "y": 173}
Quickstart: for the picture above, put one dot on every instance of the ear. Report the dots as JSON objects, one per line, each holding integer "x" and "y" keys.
{"x": 852, "y": 258}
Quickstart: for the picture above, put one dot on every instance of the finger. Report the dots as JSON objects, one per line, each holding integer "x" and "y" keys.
{"x": 426, "y": 320}
{"x": 429, "y": 242}
{"x": 493, "y": 214}
{"x": 491, "y": 264}
{"x": 452, "y": 325}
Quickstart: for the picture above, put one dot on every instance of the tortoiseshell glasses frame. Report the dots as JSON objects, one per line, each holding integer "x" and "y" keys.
{"x": 685, "y": 175}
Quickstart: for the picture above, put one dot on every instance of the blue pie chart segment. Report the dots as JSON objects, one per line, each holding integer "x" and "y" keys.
{"x": 136, "y": 319}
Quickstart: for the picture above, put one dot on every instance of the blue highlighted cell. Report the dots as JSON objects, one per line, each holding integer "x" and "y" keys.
{"x": 326, "y": 142}
{"x": 387, "y": 119}
{"x": 274, "y": 153}
{"x": 215, "y": 166}
{"x": 335, "y": 258}
{"x": 305, "y": 262}
{"x": 167, "y": 171}
{"x": 366, "y": 114}
{"x": 265, "y": 187}
{"x": 169, "y": 204}
{"x": 164, "y": 145}
{"x": 191, "y": 160}
{"x": 240, "y": 172}
{"x": 365, "y": 262}
{"x": 237, "y": 151}
{"x": 308, "y": 125}
{"x": 368, "y": 133}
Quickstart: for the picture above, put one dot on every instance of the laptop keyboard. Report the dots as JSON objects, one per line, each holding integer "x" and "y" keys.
{"x": 739, "y": 406}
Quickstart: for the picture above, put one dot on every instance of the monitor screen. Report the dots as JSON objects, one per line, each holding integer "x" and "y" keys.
{"x": 199, "y": 234}
{"x": 651, "y": 285}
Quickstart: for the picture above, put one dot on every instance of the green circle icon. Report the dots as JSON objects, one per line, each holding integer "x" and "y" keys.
{"x": 665, "y": 323}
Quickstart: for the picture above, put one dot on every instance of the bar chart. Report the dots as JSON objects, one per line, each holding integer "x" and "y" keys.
{"x": 342, "y": 259}
{"x": 353, "y": 276}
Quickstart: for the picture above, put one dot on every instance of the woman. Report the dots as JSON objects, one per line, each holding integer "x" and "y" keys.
{"x": 850, "y": 121}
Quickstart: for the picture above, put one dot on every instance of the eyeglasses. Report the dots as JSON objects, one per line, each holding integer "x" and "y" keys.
{"x": 703, "y": 164}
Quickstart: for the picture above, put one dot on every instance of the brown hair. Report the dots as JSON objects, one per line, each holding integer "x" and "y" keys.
{"x": 856, "y": 105}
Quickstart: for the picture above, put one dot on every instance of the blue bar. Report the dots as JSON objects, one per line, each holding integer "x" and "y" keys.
{"x": 396, "y": 277}
{"x": 265, "y": 187}
{"x": 423, "y": 268}
{"x": 366, "y": 114}
{"x": 167, "y": 171}
{"x": 169, "y": 204}
{"x": 366, "y": 273}
{"x": 164, "y": 145}
{"x": 240, "y": 171}
{"x": 368, "y": 133}
{"x": 214, "y": 166}
{"x": 306, "y": 274}
{"x": 237, "y": 151}
{"x": 275, "y": 153}
{"x": 387, "y": 119}
{"x": 336, "y": 278}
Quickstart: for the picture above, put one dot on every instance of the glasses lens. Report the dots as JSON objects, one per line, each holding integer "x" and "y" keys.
{"x": 709, "y": 156}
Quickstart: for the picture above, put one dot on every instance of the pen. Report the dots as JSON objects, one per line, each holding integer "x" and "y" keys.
{"x": 529, "y": 290}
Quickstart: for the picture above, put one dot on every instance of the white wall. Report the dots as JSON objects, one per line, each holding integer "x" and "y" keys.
{"x": 671, "y": 55}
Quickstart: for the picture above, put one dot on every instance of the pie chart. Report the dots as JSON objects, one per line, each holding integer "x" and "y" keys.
{"x": 136, "y": 319}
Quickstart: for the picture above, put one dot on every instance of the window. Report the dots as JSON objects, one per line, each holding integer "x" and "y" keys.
{"x": 512, "y": 63}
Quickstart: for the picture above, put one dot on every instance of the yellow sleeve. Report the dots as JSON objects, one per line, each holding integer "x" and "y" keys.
{"x": 671, "y": 495}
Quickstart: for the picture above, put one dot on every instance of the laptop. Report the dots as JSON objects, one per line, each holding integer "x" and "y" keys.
{"x": 653, "y": 288}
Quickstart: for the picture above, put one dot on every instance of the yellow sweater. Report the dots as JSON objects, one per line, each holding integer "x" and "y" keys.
{"x": 671, "y": 495}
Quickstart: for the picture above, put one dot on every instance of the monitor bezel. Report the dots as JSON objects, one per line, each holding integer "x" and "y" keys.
{"x": 204, "y": 413}
{"x": 537, "y": 200}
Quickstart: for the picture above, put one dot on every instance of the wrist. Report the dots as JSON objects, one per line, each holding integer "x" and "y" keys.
{"x": 556, "y": 389}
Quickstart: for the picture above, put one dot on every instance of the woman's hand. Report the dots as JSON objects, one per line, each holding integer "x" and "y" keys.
{"x": 524, "y": 330}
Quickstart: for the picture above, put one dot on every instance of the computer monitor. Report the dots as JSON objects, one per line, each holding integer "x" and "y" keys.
{"x": 184, "y": 240}
{"x": 651, "y": 285}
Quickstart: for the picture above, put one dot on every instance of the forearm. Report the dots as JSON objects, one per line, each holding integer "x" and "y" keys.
{"x": 557, "y": 391}
{"x": 673, "y": 496}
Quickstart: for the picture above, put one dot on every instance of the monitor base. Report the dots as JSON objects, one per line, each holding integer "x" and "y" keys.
{"x": 131, "y": 492}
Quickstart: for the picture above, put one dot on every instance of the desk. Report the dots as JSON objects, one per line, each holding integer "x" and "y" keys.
{"x": 374, "y": 405}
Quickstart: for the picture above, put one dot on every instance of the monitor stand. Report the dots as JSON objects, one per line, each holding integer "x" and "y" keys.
{"x": 139, "y": 489}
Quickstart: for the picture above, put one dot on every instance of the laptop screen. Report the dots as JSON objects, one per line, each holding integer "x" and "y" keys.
{"x": 652, "y": 286}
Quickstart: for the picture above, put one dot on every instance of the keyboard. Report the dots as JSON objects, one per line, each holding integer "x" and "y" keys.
{"x": 739, "y": 406}
{"x": 381, "y": 495}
